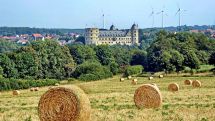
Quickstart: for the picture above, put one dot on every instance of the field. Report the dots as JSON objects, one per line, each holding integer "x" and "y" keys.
{"x": 112, "y": 100}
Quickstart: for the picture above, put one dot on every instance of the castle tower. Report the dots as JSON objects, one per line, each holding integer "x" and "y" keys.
{"x": 91, "y": 36}
{"x": 112, "y": 27}
{"x": 135, "y": 34}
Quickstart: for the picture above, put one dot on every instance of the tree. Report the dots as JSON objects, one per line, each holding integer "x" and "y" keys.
{"x": 8, "y": 66}
{"x": 82, "y": 53}
{"x": 203, "y": 56}
{"x": 190, "y": 59}
{"x": 165, "y": 62}
{"x": 26, "y": 62}
{"x": 7, "y": 46}
{"x": 140, "y": 58}
{"x": 212, "y": 59}
{"x": 53, "y": 59}
{"x": 91, "y": 70}
{"x": 114, "y": 68}
{"x": 121, "y": 54}
{"x": 1, "y": 72}
{"x": 104, "y": 54}
{"x": 132, "y": 70}
{"x": 177, "y": 60}
{"x": 158, "y": 53}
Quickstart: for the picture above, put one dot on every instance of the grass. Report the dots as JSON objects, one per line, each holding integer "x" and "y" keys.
{"x": 112, "y": 100}
{"x": 202, "y": 69}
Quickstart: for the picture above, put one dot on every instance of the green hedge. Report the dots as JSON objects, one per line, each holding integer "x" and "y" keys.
{"x": 131, "y": 70}
{"x": 91, "y": 71}
{"x": 14, "y": 84}
{"x": 102, "y": 74}
{"x": 88, "y": 77}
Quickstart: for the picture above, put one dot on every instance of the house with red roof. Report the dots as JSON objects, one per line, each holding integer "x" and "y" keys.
{"x": 37, "y": 37}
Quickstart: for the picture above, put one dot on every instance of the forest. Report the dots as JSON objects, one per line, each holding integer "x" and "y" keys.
{"x": 168, "y": 52}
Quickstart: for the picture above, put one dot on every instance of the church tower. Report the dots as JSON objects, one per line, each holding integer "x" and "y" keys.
{"x": 135, "y": 34}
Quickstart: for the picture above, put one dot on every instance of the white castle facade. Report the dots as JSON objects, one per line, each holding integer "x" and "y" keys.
{"x": 112, "y": 36}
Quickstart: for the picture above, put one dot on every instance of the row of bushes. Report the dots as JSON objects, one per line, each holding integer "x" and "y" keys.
{"x": 132, "y": 70}
{"x": 15, "y": 84}
{"x": 91, "y": 71}
{"x": 202, "y": 69}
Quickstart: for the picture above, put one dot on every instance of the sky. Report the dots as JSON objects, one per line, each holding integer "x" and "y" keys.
{"x": 75, "y": 14}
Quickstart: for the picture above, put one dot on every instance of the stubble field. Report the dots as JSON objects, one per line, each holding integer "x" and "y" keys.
{"x": 112, "y": 100}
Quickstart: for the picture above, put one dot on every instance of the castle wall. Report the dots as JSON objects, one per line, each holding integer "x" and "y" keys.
{"x": 92, "y": 37}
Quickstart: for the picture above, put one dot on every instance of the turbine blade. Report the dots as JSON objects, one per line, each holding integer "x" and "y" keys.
{"x": 177, "y": 12}
{"x": 152, "y": 13}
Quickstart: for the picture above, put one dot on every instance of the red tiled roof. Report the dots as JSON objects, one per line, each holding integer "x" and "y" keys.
{"x": 37, "y": 35}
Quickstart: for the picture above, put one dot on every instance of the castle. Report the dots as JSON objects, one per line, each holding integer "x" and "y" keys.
{"x": 113, "y": 36}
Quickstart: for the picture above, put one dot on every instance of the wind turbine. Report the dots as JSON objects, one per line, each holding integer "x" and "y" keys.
{"x": 162, "y": 12}
{"x": 103, "y": 17}
{"x": 153, "y": 17}
{"x": 179, "y": 12}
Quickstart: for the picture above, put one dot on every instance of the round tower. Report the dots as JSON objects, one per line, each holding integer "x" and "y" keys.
{"x": 91, "y": 36}
{"x": 112, "y": 27}
{"x": 135, "y": 34}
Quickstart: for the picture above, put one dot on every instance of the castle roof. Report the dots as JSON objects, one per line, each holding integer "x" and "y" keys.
{"x": 134, "y": 26}
{"x": 113, "y": 33}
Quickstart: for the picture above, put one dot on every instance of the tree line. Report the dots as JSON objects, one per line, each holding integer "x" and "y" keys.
{"x": 169, "y": 52}
{"x": 13, "y": 31}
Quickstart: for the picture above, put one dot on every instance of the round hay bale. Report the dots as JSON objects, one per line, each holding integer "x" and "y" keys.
{"x": 160, "y": 76}
{"x": 196, "y": 83}
{"x": 122, "y": 79}
{"x": 153, "y": 84}
{"x": 150, "y": 78}
{"x": 57, "y": 84}
{"x": 32, "y": 89}
{"x": 129, "y": 77}
{"x": 188, "y": 82}
{"x": 64, "y": 104}
{"x": 147, "y": 96}
{"x": 50, "y": 87}
{"x": 36, "y": 89}
{"x": 134, "y": 82}
{"x": 173, "y": 87}
{"x": 16, "y": 92}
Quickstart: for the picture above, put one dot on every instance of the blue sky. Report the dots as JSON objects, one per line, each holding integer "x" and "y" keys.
{"x": 122, "y": 13}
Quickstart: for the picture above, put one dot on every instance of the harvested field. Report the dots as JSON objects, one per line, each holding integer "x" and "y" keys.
{"x": 112, "y": 100}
